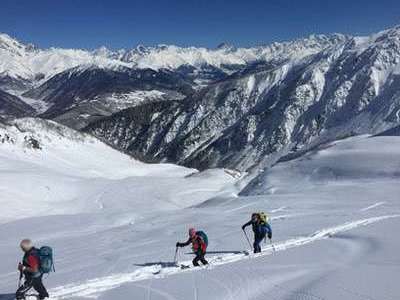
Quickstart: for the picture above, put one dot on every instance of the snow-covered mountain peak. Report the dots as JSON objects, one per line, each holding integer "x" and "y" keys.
{"x": 226, "y": 45}
{"x": 9, "y": 44}
{"x": 170, "y": 56}
{"x": 393, "y": 32}
{"x": 27, "y": 62}
{"x": 24, "y": 61}
{"x": 388, "y": 38}
{"x": 283, "y": 96}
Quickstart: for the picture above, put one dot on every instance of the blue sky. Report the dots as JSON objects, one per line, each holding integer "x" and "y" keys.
{"x": 125, "y": 24}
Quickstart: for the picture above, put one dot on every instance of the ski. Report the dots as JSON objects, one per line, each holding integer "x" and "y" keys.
{"x": 31, "y": 296}
{"x": 183, "y": 267}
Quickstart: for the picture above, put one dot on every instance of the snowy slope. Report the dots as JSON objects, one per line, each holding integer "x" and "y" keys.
{"x": 331, "y": 241}
{"x": 47, "y": 168}
{"x": 113, "y": 221}
{"x": 358, "y": 158}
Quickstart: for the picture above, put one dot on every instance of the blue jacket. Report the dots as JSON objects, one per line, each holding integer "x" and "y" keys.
{"x": 259, "y": 229}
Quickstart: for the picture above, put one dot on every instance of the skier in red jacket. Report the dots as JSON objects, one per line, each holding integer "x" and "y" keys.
{"x": 199, "y": 242}
{"x": 30, "y": 269}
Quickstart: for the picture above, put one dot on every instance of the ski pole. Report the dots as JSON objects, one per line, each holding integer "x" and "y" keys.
{"x": 247, "y": 238}
{"x": 20, "y": 279}
{"x": 176, "y": 255}
{"x": 273, "y": 247}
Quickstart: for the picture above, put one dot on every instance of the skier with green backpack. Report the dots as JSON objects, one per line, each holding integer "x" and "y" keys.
{"x": 199, "y": 241}
{"x": 261, "y": 228}
{"x": 35, "y": 263}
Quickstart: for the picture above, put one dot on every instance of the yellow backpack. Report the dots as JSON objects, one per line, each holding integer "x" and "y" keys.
{"x": 263, "y": 217}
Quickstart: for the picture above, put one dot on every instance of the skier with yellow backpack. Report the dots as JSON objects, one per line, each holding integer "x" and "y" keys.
{"x": 261, "y": 228}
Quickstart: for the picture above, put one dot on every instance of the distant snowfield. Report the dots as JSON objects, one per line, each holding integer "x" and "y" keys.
{"x": 114, "y": 221}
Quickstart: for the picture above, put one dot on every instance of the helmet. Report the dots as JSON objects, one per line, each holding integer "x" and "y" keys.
{"x": 26, "y": 245}
{"x": 192, "y": 232}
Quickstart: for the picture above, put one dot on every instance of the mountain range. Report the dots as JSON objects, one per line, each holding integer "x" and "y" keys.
{"x": 240, "y": 108}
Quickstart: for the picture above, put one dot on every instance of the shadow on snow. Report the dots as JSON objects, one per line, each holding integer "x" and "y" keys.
{"x": 220, "y": 252}
{"x": 12, "y": 296}
{"x": 163, "y": 264}
{"x": 7, "y": 296}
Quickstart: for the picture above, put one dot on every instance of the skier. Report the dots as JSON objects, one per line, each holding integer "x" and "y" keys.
{"x": 260, "y": 228}
{"x": 30, "y": 269}
{"x": 199, "y": 241}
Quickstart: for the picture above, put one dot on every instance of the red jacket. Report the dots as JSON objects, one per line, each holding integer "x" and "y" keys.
{"x": 31, "y": 260}
{"x": 197, "y": 244}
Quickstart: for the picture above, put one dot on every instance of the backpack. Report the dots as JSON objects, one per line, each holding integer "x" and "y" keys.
{"x": 263, "y": 217}
{"x": 203, "y": 236}
{"x": 45, "y": 254}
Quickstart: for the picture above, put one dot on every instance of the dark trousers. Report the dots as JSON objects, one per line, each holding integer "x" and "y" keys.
{"x": 199, "y": 257}
{"x": 257, "y": 241}
{"x": 31, "y": 282}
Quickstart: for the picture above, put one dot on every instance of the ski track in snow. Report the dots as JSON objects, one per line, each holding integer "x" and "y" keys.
{"x": 372, "y": 206}
{"x": 94, "y": 287}
{"x": 282, "y": 208}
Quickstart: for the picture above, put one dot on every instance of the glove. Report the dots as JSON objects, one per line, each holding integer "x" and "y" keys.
{"x": 243, "y": 227}
{"x": 21, "y": 267}
{"x": 178, "y": 245}
{"x": 269, "y": 235}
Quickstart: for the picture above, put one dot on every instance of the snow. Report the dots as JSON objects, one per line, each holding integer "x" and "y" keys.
{"x": 120, "y": 101}
{"x": 250, "y": 85}
{"x": 21, "y": 61}
{"x": 114, "y": 221}
{"x": 335, "y": 163}
{"x": 73, "y": 172}
{"x": 98, "y": 285}
{"x": 38, "y": 105}
{"x": 373, "y": 206}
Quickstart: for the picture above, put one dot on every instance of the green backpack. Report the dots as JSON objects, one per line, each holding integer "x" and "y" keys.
{"x": 204, "y": 236}
{"x": 45, "y": 254}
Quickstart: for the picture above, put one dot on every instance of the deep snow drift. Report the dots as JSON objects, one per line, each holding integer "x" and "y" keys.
{"x": 113, "y": 221}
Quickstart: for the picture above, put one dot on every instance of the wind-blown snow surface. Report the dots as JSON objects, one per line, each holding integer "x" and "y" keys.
{"x": 335, "y": 240}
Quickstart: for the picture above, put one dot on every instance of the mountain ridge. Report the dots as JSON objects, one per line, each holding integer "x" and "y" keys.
{"x": 270, "y": 108}
{"x": 186, "y": 106}
{"x": 156, "y": 57}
